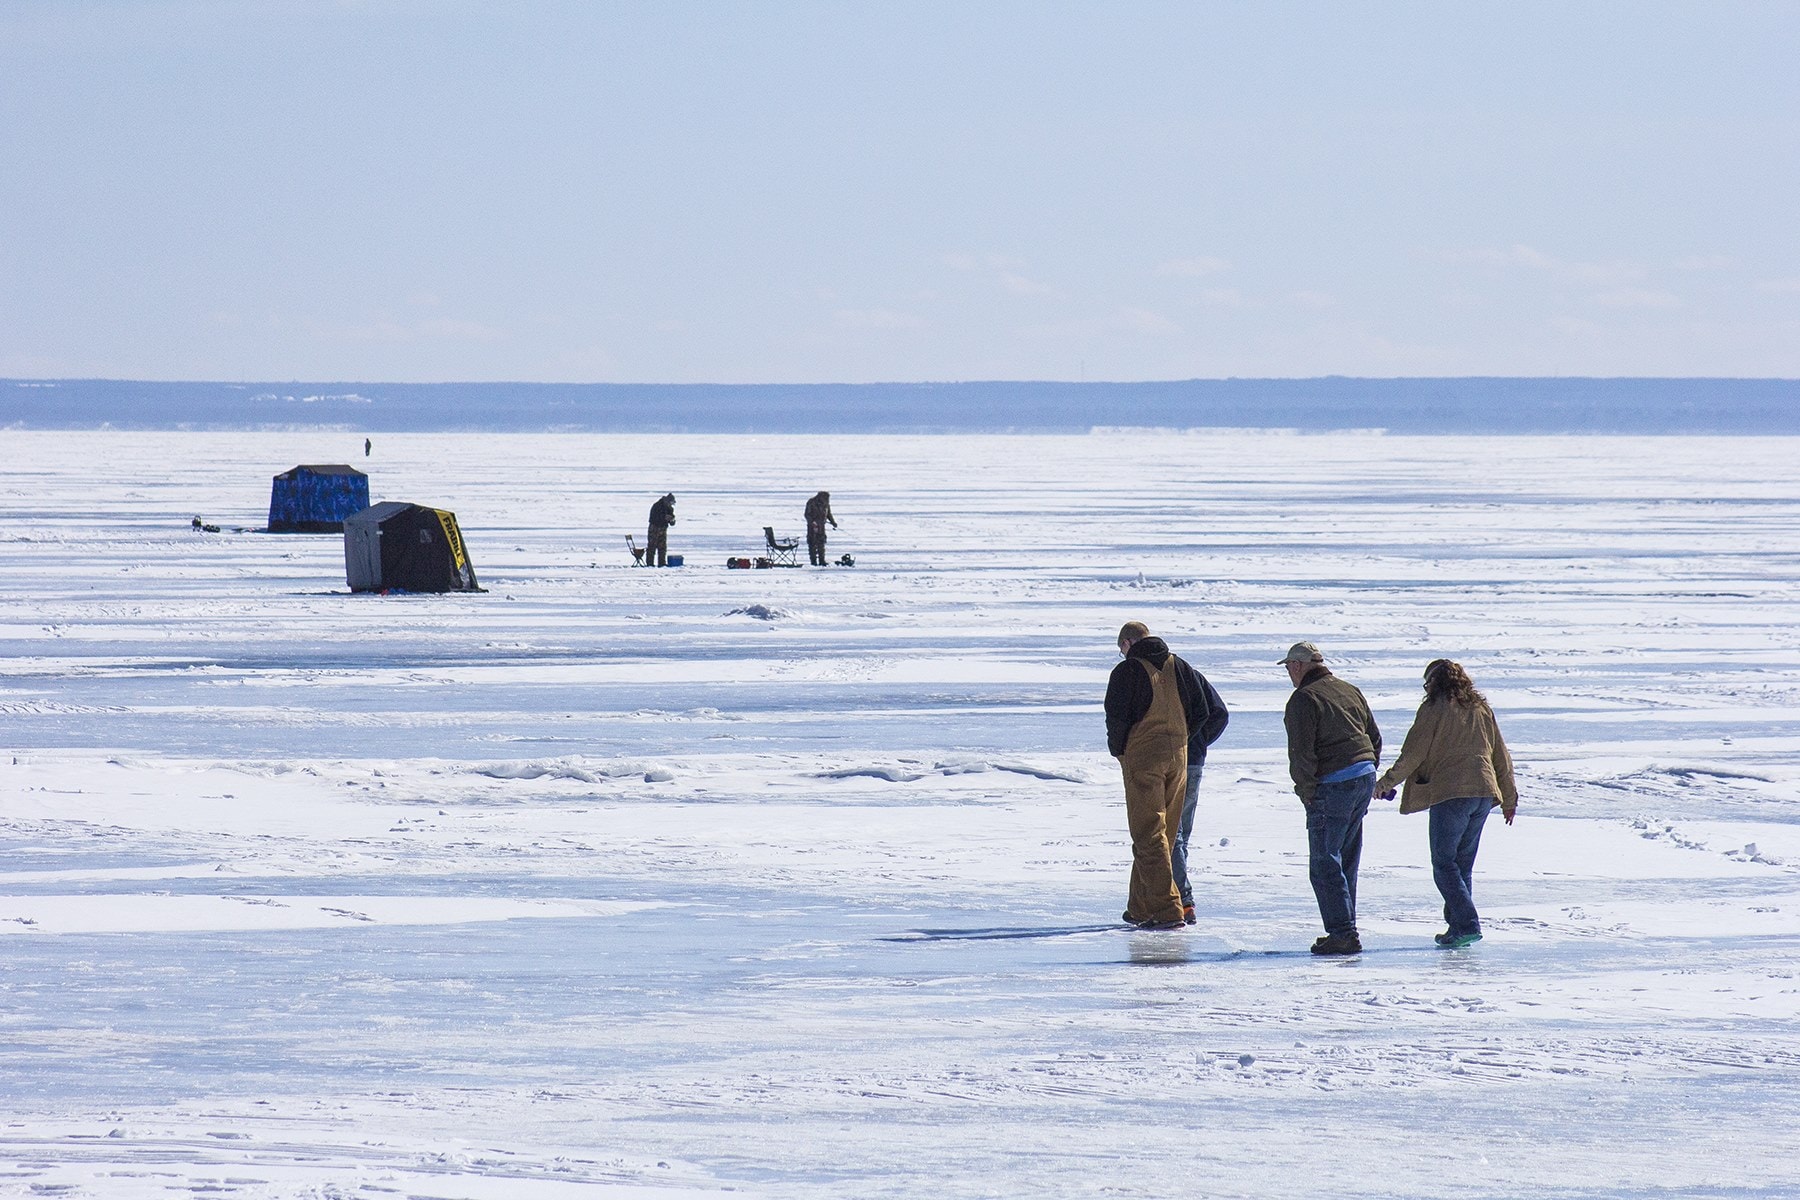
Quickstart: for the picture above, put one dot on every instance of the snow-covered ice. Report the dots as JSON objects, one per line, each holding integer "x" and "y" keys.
{"x": 616, "y": 882}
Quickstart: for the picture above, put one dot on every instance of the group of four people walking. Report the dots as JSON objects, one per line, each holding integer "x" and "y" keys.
{"x": 1161, "y": 715}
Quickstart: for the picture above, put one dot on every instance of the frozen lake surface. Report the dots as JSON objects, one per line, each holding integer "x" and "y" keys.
{"x": 612, "y": 882}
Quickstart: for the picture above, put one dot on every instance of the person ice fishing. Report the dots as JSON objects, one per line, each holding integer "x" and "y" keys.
{"x": 1334, "y": 747}
{"x": 818, "y": 512}
{"x": 656, "y": 542}
{"x": 1454, "y": 765}
{"x": 1154, "y": 704}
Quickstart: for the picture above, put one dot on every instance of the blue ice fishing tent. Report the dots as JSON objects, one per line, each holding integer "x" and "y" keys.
{"x": 316, "y": 499}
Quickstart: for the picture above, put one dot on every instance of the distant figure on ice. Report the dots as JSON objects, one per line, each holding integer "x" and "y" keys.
{"x": 818, "y": 511}
{"x": 1455, "y": 764}
{"x": 367, "y": 446}
{"x": 1154, "y": 704}
{"x": 1333, "y": 748}
{"x": 662, "y": 515}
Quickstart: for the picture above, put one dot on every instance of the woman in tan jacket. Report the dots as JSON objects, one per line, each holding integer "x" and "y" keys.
{"x": 1455, "y": 764}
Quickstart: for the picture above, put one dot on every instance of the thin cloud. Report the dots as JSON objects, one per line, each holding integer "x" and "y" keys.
{"x": 1020, "y": 285}
{"x": 1578, "y": 327}
{"x": 1128, "y": 320}
{"x": 1636, "y": 298}
{"x": 1706, "y": 262}
{"x": 459, "y": 331}
{"x": 1513, "y": 256}
{"x": 1519, "y": 255}
{"x": 1193, "y": 268}
{"x": 875, "y": 318}
{"x": 1009, "y": 274}
{"x": 1143, "y": 320}
{"x": 392, "y": 332}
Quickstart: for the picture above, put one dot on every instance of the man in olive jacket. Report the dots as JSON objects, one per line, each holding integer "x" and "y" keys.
{"x": 1333, "y": 749}
{"x": 1154, "y": 704}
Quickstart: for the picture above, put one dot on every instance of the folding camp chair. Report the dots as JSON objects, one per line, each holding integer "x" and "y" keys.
{"x": 781, "y": 550}
{"x": 637, "y": 551}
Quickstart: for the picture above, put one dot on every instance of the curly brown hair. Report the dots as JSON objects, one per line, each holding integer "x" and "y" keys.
{"x": 1446, "y": 680}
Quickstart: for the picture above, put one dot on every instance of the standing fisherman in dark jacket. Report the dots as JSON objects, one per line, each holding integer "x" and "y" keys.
{"x": 1334, "y": 746}
{"x": 817, "y": 512}
{"x": 662, "y": 515}
{"x": 1154, "y": 704}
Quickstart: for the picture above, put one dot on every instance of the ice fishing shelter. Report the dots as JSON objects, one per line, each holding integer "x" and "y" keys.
{"x": 399, "y": 547}
{"x": 316, "y": 499}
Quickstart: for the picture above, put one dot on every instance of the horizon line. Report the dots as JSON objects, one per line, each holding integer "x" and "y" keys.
{"x": 20, "y": 380}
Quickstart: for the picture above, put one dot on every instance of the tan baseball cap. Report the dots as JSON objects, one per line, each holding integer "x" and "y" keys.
{"x": 1302, "y": 652}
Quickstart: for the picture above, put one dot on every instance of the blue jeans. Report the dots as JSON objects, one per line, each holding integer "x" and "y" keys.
{"x": 1178, "y": 847}
{"x": 1334, "y": 843}
{"x": 1455, "y": 836}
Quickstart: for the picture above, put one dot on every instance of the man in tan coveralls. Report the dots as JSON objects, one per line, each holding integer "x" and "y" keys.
{"x": 1148, "y": 701}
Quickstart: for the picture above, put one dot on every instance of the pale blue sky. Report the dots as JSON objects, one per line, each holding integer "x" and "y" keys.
{"x": 782, "y": 191}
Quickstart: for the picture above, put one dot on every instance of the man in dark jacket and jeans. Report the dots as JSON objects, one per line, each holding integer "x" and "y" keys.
{"x": 1333, "y": 749}
{"x": 1154, "y": 703}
